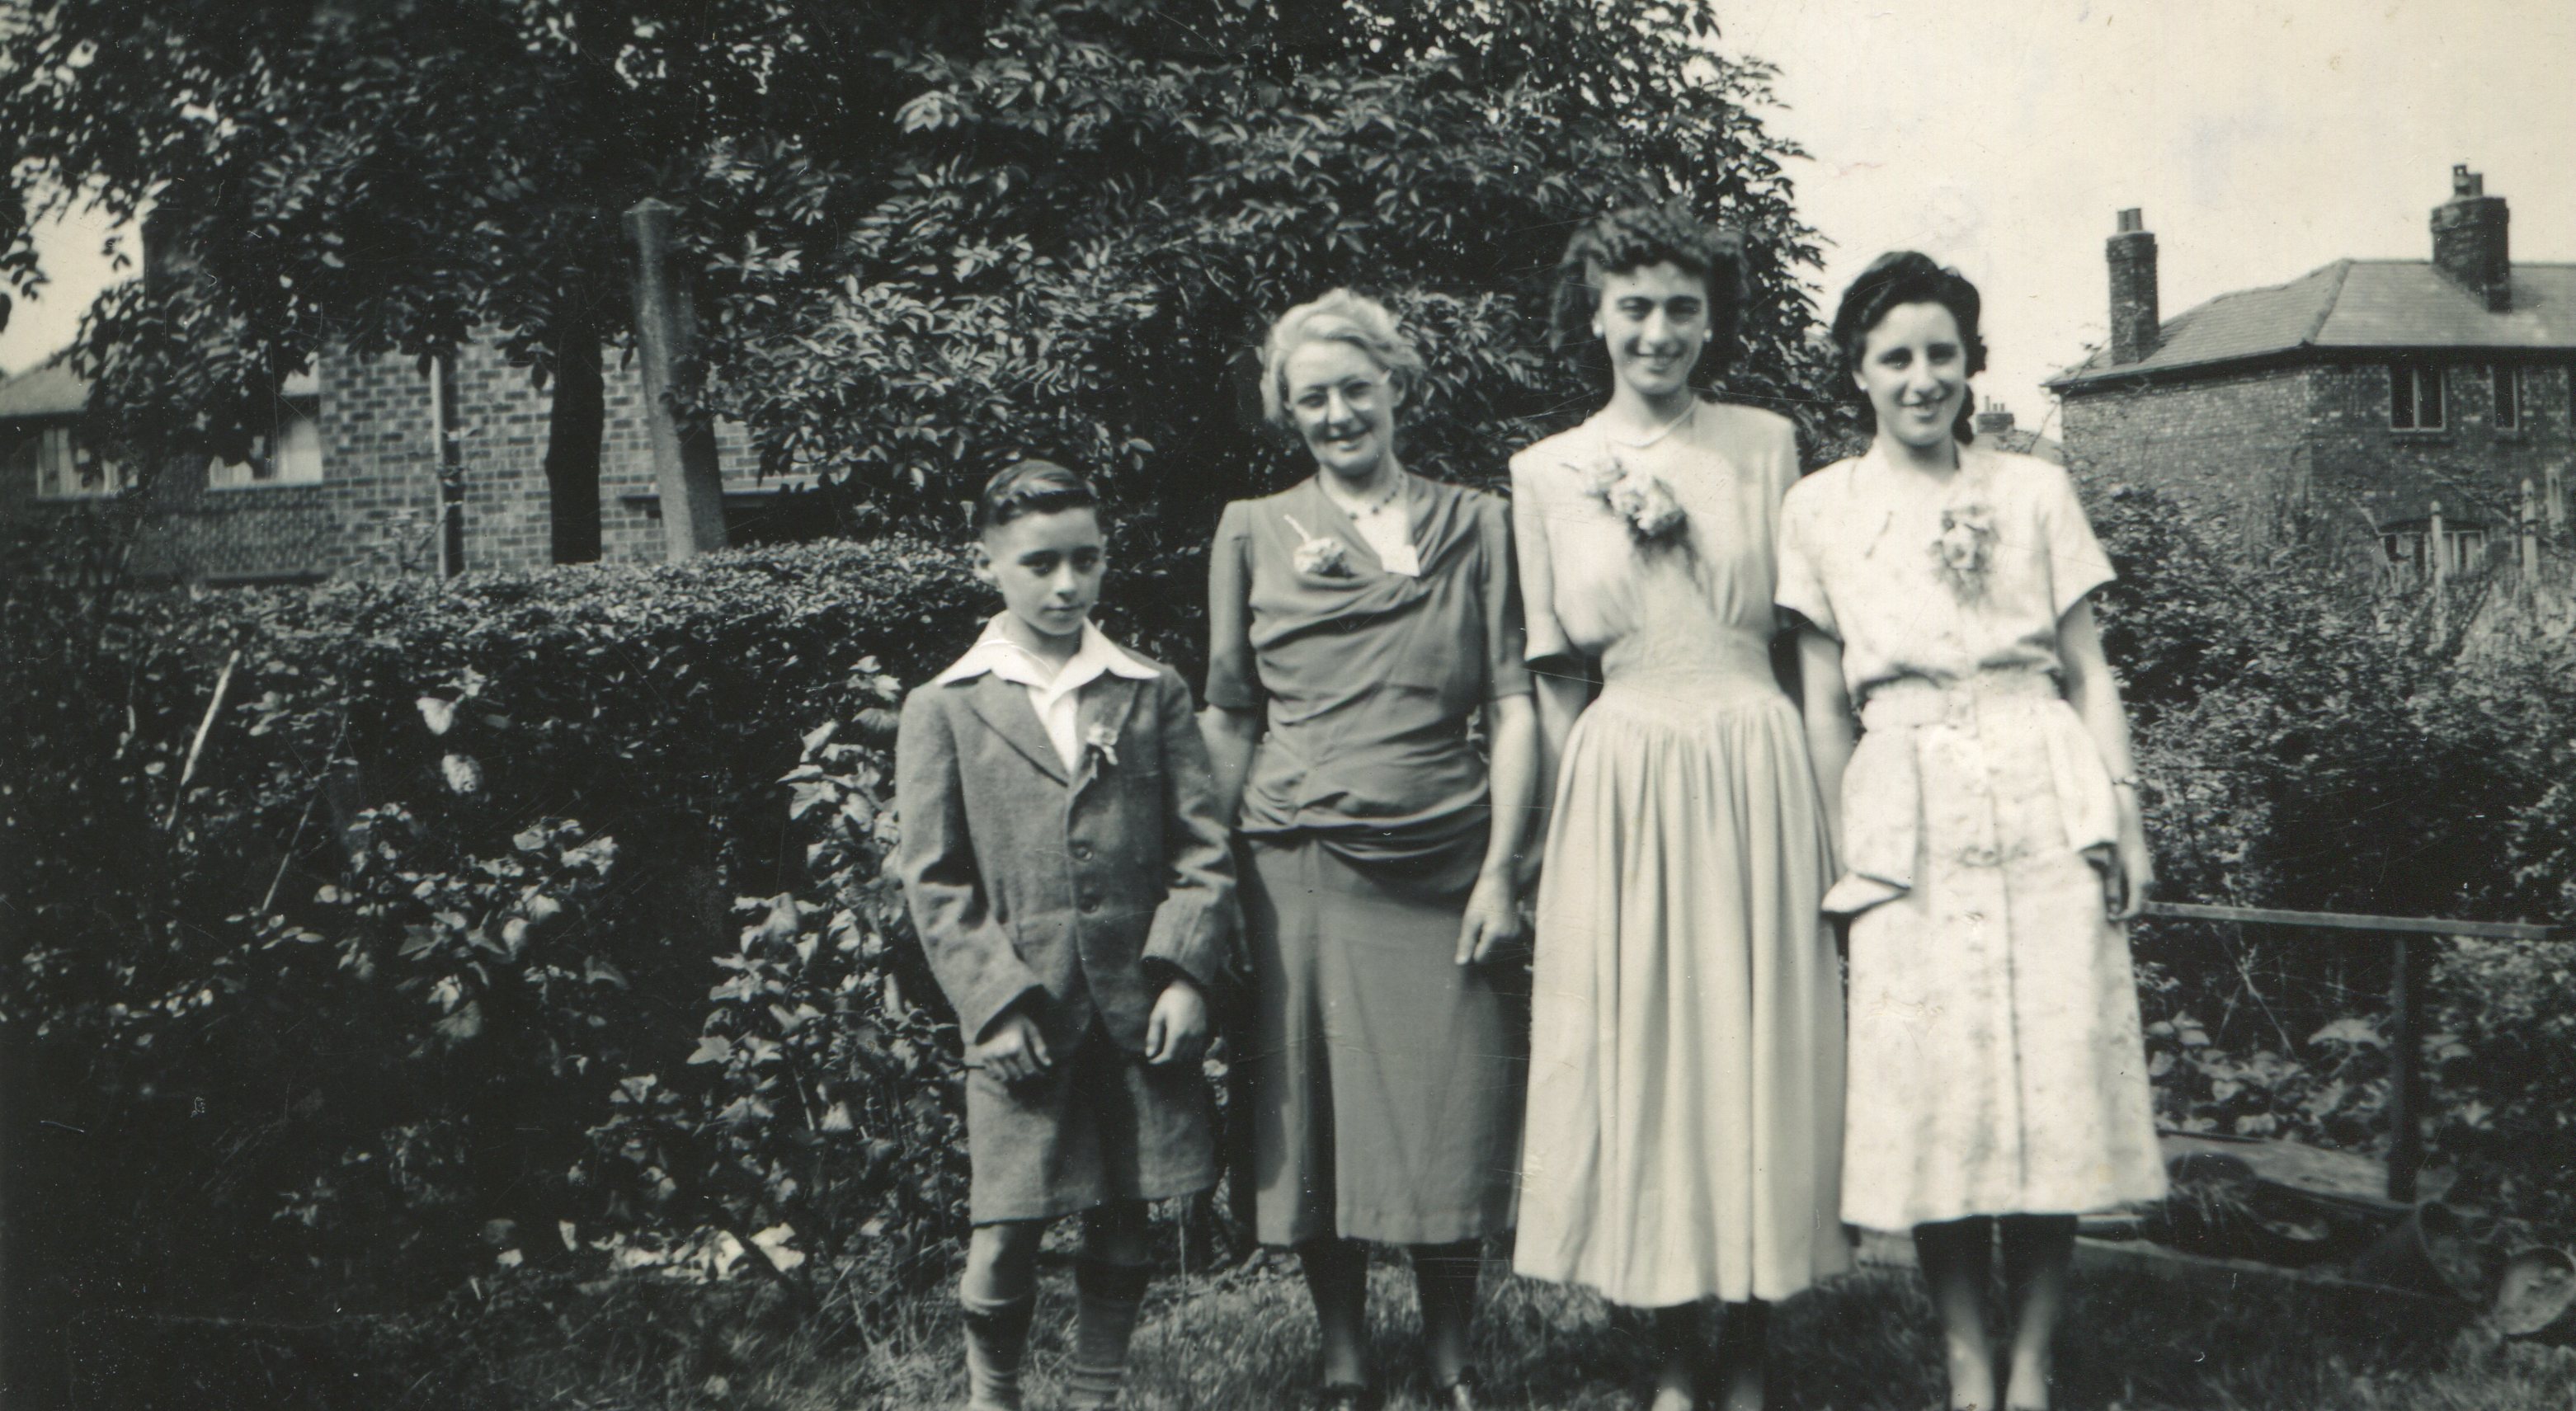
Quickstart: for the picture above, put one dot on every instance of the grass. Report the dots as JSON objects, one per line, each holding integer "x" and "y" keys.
{"x": 1244, "y": 1341}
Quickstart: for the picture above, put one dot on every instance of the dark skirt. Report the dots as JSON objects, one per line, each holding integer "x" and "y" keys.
{"x": 1382, "y": 1082}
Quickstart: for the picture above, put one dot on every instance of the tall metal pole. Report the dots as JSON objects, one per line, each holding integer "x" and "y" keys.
{"x": 684, "y": 450}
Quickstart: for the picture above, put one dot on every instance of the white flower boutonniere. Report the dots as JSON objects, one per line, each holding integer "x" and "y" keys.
{"x": 1320, "y": 555}
{"x": 1651, "y": 511}
{"x": 1964, "y": 553}
{"x": 1102, "y": 742}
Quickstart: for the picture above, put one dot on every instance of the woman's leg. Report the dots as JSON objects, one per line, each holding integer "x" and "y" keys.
{"x": 1955, "y": 1255}
{"x": 2037, "y": 1251}
{"x": 1678, "y": 1331}
{"x": 1445, "y": 1276}
{"x": 1337, "y": 1279}
{"x": 1743, "y": 1344}
{"x": 1110, "y": 1282}
{"x": 997, "y": 1294}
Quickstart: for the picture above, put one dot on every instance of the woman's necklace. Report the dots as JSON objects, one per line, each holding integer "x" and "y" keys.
{"x": 1667, "y": 429}
{"x": 1392, "y": 543}
{"x": 1358, "y": 510}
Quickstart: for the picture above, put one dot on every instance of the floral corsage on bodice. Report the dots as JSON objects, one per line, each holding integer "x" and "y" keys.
{"x": 1964, "y": 552}
{"x": 1320, "y": 554}
{"x": 1642, "y": 501}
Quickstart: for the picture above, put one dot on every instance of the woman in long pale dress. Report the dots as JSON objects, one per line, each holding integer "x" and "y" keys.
{"x": 1686, "y": 1041}
{"x": 1357, "y": 621}
{"x": 1990, "y": 833}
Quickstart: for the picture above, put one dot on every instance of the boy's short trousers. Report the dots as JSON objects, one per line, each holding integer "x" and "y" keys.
{"x": 1101, "y": 1125}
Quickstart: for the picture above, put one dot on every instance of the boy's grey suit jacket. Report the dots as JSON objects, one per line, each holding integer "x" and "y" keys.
{"x": 1024, "y": 879}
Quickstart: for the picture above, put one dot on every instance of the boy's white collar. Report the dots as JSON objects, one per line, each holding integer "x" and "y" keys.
{"x": 995, "y": 652}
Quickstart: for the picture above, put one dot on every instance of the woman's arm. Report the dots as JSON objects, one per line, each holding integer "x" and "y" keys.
{"x": 1560, "y": 690}
{"x": 2096, "y": 697}
{"x": 1493, "y": 919}
{"x": 1831, "y": 727}
{"x": 1230, "y": 736}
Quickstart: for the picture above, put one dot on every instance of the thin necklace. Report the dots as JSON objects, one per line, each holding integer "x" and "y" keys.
{"x": 1363, "y": 511}
{"x": 1661, "y": 432}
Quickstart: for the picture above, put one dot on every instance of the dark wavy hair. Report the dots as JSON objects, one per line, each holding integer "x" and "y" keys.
{"x": 1621, "y": 241}
{"x": 1031, "y": 487}
{"x": 1897, "y": 278}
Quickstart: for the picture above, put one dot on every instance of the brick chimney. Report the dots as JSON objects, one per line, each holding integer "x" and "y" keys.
{"x": 2469, "y": 245}
{"x": 1995, "y": 420}
{"x": 2132, "y": 255}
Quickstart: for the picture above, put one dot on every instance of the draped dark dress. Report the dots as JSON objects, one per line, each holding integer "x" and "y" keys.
{"x": 1382, "y": 1081}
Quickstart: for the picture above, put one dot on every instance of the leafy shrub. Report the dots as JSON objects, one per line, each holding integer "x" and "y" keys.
{"x": 413, "y": 966}
{"x": 2315, "y": 742}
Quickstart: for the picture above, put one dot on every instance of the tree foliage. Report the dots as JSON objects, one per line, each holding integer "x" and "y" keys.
{"x": 1088, "y": 221}
{"x": 931, "y": 238}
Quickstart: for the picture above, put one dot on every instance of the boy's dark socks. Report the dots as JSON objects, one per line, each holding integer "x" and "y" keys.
{"x": 997, "y": 1342}
{"x": 1112, "y": 1296}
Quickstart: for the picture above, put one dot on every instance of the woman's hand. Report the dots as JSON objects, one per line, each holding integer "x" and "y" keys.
{"x": 1177, "y": 1030}
{"x": 1492, "y": 924}
{"x": 1012, "y": 1050}
{"x": 2133, "y": 866}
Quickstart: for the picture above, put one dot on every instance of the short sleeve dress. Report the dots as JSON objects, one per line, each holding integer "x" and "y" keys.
{"x": 1382, "y": 1084}
{"x": 1996, "y": 1065}
{"x": 1686, "y": 1046}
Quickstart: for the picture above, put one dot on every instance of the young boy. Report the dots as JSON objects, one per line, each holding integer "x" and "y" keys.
{"x": 1071, "y": 882}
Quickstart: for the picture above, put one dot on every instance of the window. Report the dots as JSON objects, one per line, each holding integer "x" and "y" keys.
{"x": 63, "y": 468}
{"x": 291, "y": 455}
{"x": 2508, "y": 396}
{"x": 2415, "y": 397}
{"x": 2464, "y": 546}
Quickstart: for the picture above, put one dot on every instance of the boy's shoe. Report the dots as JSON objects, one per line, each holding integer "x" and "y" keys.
{"x": 1460, "y": 1394}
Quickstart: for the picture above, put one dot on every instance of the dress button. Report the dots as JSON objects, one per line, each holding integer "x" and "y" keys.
{"x": 1082, "y": 852}
{"x": 1090, "y": 904}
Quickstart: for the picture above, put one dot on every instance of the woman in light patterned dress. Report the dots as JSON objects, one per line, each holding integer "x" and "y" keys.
{"x": 1685, "y": 1111}
{"x": 1989, "y": 829}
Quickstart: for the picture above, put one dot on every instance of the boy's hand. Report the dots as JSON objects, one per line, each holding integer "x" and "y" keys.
{"x": 1177, "y": 1030}
{"x": 1013, "y": 1050}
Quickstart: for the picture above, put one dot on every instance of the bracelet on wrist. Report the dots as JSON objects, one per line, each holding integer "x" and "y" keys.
{"x": 2125, "y": 781}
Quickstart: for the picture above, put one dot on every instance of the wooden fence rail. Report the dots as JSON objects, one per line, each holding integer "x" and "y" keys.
{"x": 2405, "y": 1002}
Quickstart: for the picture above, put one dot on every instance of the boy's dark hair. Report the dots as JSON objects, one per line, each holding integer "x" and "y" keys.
{"x": 1620, "y": 241}
{"x": 1908, "y": 277}
{"x": 1031, "y": 487}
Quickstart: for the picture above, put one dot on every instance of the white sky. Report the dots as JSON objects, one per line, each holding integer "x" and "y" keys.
{"x": 2262, "y": 138}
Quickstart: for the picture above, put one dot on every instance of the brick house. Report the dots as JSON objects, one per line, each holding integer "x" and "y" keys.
{"x": 350, "y": 481}
{"x": 2417, "y": 410}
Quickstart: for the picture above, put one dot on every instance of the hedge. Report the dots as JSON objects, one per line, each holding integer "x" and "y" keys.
{"x": 514, "y": 916}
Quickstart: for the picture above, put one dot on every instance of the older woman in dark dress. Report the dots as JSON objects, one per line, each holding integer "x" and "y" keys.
{"x": 1358, "y": 621}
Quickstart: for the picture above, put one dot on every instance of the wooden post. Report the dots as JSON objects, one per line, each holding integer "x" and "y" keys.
{"x": 2405, "y": 1071}
{"x": 2530, "y": 527}
{"x": 684, "y": 453}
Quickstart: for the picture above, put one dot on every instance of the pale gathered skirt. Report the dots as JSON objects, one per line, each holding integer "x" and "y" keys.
{"x": 1686, "y": 1051}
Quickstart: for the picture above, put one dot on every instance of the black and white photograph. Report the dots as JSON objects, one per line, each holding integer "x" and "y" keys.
{"x": 1287, "y": 705}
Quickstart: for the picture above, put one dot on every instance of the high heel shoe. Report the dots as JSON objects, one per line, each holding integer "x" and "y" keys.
{"x": 1344, "y": 1396}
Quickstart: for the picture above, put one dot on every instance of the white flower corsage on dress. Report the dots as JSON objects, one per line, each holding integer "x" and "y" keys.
{"x": 1644, "y": 502}
{"x": 1320, "y": 555}
{"x": 1101, "y": 741}
{"x": 1964, "y": 554}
